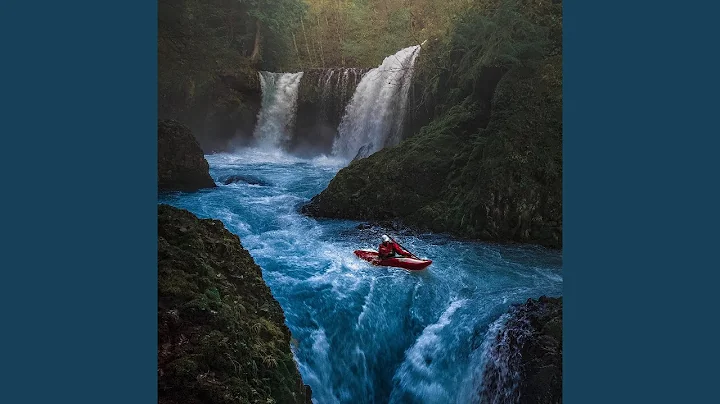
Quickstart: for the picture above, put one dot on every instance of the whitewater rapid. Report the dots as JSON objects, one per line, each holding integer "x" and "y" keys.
{"x": 366, "y": 334}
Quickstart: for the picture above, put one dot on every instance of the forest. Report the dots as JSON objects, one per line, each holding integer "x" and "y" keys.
{"x": 209, "y": 51}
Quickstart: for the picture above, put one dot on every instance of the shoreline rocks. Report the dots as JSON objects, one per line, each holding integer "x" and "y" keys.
{"x": 181, "y": 162}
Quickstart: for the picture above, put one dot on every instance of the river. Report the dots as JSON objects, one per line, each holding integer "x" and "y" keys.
{"x": 364, "y": 334}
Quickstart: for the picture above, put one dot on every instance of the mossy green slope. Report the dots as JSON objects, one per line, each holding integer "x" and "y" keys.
{"x": 394, "y": 182}
{"x": 507, "y": 183}
{"x": 496, "y": 179}
{"x": 503, "y": 183}
{"x": 222, "y": 337}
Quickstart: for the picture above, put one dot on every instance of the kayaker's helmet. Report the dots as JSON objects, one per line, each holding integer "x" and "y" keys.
{"x": 385, "y": 238}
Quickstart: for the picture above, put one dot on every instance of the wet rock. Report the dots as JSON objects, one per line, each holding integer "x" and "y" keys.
{"x": 363, "y": 152}
{"x": 181, "y": 162}
{"x": 241, "y": 178}
{"x": 322, "y": 97}
{"x": 526, "y": 365}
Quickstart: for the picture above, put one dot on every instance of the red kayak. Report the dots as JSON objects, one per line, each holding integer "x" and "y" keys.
{"x": 413, "y": 264}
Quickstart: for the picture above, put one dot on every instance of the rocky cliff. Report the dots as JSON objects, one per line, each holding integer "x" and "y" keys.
{"x": 222, "y": 336}
{"x": 181, "y": 163}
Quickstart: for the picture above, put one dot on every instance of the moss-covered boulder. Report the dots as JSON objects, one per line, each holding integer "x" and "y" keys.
{"x": 501, "y": 183}
{"x": 525, "y": 357}
{"x": 181, "y": 162}
{"x": 394, "y": 182}
{"x": 222, "y": 336}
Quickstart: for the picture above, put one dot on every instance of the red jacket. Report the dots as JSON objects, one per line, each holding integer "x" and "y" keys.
{"x": 389, "y": 248}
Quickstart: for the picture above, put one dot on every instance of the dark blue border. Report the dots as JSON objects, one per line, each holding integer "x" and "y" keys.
{"x": 640, "y": 202}
{"x": 79, "y": 245}
{"x": 79, "y": 116}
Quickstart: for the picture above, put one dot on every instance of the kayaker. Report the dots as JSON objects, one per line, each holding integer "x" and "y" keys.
{"x": 389, "y": 248}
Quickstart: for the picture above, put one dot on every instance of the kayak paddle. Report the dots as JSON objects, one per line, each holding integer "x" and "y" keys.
{"x": 411, "y": 254}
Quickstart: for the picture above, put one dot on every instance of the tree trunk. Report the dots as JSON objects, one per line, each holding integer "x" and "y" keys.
{"x": 256, "y": 48}
{"x": 297, "y": 51}
{"x": 307, "y": 46}
{"x": 337, "y": 27}
{"x": 319, "y": 40}
{"x": 231, "y": 31}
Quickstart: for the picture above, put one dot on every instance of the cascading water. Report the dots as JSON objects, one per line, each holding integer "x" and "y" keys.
{"x": 373, "y": 118}
{"x": 279, "y": 105}
{"x": 366, "y": 334}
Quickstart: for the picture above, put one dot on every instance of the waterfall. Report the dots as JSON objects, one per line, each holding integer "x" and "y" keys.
{"x": 276, "y": 119}
{"x": 374, "y": 116}
{"x": 357, "y": 111}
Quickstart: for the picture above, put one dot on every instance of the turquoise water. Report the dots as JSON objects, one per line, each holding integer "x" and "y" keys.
{"x": 369, "y": 334}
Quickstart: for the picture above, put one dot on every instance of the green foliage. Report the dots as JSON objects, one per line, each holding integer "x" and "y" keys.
{"x": 491, "y": 34}
{"x": 506, "y": 182}
{"x": 515, "y": 164}
{"x": 361, "y": 33}
{"x": 278, "y": 19}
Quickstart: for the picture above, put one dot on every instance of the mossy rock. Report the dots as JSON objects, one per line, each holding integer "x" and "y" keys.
{"x": 222, "y": 336}
{"x": 181, "y": 162}
{"x": 500, "y": 183}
